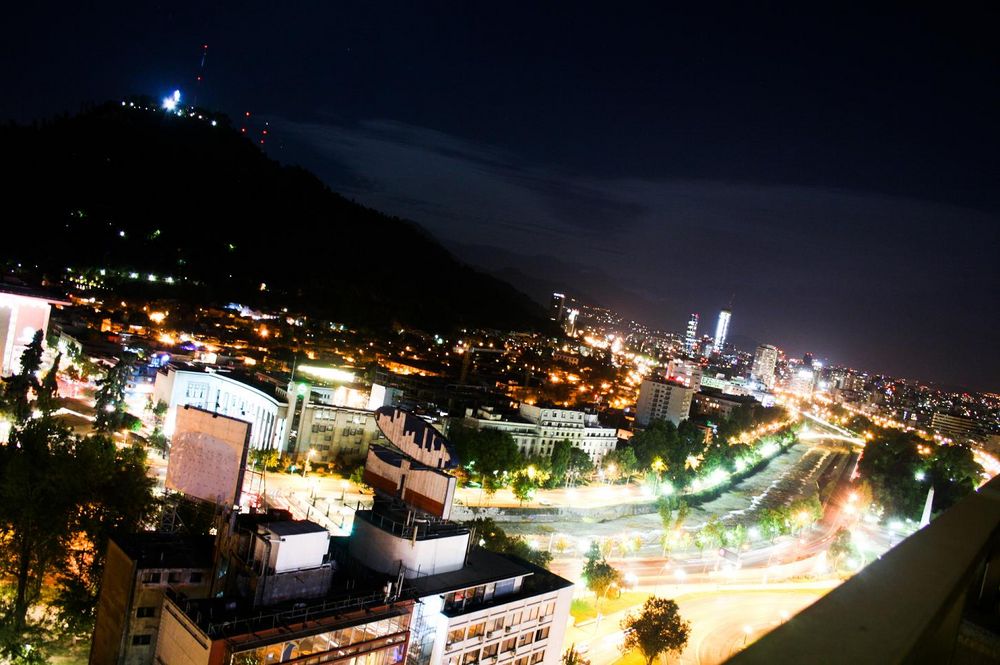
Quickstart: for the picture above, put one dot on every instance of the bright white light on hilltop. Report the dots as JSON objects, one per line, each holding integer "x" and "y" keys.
{"x": 170, "y": 103}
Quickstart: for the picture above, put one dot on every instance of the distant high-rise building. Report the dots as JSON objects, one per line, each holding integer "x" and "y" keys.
{"x": 764, "y": 362}
{"x": 557, "y": 307}
{"x": 569, "y": 321}
{"x": 691, "y": 336}
{"x": 807, "y": 360}
{"x": 803, "y": 381}
{"x": 721, "y": 330}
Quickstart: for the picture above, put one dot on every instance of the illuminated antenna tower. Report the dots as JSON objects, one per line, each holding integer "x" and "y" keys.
{"x": 201, "y": 73}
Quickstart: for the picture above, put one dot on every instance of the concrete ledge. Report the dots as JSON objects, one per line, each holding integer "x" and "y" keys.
{"x": 903, "y": 608}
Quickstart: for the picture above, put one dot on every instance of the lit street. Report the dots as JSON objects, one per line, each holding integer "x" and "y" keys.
{"x": 719, "y": 617}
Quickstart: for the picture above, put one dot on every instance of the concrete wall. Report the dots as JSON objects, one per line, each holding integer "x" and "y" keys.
{"x": 301, "y": 550}
{"x": 297, "y": 584}
{"x": 113, "y": 607}
{"x": 551, "y": 514}
{"x": 429, "y": 490}
{"x": 207, "y": 455}
{"x": 384, "y": 552}
{"x": 180, "y": 642}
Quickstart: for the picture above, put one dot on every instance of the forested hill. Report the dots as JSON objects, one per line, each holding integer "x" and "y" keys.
{"x": 121, "y": 187}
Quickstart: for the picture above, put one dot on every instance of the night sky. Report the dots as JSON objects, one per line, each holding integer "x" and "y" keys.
{"x": 834, "y": 174}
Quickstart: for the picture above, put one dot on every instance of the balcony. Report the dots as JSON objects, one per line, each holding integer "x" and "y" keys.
{"x": 934, "y": 598}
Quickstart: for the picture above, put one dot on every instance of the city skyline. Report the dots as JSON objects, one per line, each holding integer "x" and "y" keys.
{"x": 480, "y": 334}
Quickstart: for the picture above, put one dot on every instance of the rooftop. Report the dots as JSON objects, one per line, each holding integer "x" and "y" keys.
{"x": 153, "y": 549}
{"x": 294, "y": 527}
{"x": 483, "y": 567}
{"x": 715, "y": 393}
{"x": 245, "y": 378}
{"x": 230, "y": 618}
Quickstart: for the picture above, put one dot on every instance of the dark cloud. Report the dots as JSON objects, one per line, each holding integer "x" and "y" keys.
{"x": 836, "y": 271}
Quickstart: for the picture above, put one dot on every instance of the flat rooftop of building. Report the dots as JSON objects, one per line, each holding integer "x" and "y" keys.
{"x": 483, "y": 567}
{"x": 504, "y": 415}
{"x": 715, "y": 393}
{"x": 349, "y": 595}
{"x": 153, "y": 549}
{"x": 245, "y": 378}
{"x": 294, "y": 527}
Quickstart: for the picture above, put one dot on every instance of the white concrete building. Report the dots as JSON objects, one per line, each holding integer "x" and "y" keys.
{"x": 536, "y": 430}
{"x": 317, "y": 416}
{"x": 662, "y": 400}
{"x": 687, "y": 372}
{"x": 495, "y": 609}
{"x": 220, "y": 392}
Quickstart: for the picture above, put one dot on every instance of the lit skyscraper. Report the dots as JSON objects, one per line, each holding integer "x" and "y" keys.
{"x": 721, "y": 330}
{"x": 764, "y": 362}
{"x": 557, "y": 307}
{"x": 691, "y": 337}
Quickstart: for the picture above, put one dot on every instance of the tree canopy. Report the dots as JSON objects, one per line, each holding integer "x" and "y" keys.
{"x": 600, "y": 575}
{"x": 900, "y": 467}
{"x": 495, "y": 539}
{"x": 658, "y": 628}
{"x": 61, "y": 498}
{"x": 488, "y": 454}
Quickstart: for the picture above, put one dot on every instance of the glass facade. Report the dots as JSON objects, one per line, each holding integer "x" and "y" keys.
{"x": 380, "y": 642}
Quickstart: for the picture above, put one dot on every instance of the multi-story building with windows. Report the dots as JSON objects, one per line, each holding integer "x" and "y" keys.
{"x": 493, "y": 610}
{"x": 662, "y": 400}
{"x": 956, "y": 428}
{"x": 691, "y": 335}
{"x": 765, "y": 361}
{"x": 236, "y": 394}
{"x": 537, "y": 429}
{"x": 715, "y": 404}
{"x": 329, "y": 420}
{"x": 721, "y": 331}
{"x": 139, "y": 570}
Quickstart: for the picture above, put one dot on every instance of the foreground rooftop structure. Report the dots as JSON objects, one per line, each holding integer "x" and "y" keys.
{"x": 934, "y": 598}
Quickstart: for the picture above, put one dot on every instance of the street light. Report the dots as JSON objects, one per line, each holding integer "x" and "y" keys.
{"x": 343, "y": 489}
{"x": 309, "y": 456}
